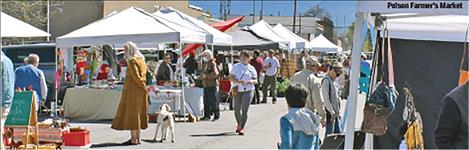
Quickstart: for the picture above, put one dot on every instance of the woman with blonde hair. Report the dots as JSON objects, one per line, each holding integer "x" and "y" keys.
{"x": 132, "y": 111}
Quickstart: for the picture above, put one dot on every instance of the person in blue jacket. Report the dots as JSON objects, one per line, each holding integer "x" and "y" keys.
{"x": 299, "y": 127}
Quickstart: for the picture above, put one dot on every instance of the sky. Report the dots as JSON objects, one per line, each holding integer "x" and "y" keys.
{"x": 337, "y": 9}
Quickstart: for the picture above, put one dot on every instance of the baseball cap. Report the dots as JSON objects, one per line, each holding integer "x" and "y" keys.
{"x": 312, "y": 60}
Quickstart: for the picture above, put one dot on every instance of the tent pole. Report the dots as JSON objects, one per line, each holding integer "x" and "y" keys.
{"x": 231, "y": 51}
{"x": 355, "y": 71}
{"x": 182, "y": 85}
{"x": 213, "y": 50}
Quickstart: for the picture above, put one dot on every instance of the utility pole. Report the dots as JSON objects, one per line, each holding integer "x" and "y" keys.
{"x": 221, "y": 9}
{"x": 299, "y": 27}
{"x": 262, "y": 9}
{"x": 253, "y": 11}
{"x": 294, "y": 15}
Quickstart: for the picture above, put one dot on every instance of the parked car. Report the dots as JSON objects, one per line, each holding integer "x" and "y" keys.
{"x": 46, "y": 52}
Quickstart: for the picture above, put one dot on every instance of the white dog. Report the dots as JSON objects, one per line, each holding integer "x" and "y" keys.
{"x": 165, "y": 122}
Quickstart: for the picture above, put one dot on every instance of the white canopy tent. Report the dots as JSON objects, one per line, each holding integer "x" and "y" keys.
{"x": 364, "y": 9}
{"x": 12, "y": 27}
{"x": 434, "y": 28}
{"x": 264, "y": 30}
{"x": 297, "y": 41}
{"x": 132, "y": 24}
{"x": 322, "y": 44}
{"x": 213, "y": 36}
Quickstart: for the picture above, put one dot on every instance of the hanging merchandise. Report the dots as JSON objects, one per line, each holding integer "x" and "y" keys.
{"x": 110, "y": 56}
{"x": 382, "y": 101}
{"x": 82, "y": 66}
{"x": 414, "y": 133}
{"x": 464, "y": 70}
{"x": 96, "y": 59}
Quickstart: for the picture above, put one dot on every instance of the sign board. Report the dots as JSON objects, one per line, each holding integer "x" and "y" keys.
{"x": 416, "y": 6}
{"x": 21, "y": 109}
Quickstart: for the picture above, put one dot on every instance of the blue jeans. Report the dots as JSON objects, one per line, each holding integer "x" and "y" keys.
{"x": 332, "y": 126}
{"x": 211, "y": 102}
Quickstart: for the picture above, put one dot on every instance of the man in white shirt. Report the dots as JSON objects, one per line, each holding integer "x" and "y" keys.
{"x": 271, "y": 67}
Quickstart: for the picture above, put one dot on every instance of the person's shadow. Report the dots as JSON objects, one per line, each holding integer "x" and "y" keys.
{"x": 106, "y": 145}
{"x": 215, "y": 134}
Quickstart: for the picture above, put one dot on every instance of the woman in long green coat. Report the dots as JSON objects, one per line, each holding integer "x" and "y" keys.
{"x": 132, "y": 112}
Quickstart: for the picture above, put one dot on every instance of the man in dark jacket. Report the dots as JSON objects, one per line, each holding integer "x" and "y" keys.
{"x": 451, "y": 129}
{"x": 190, "y": 64}
{"x": 165, "y": 72}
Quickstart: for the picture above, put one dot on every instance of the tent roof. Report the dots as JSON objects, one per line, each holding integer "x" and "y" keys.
{"x": 434, "y": 28}
{"x": 265, "y": 31}
{"x": 245, "y": 40}
{"x": 132, "y": 24}
{"x": 322, "y": 44}
{"x": 12, "y": 27}
{"x": 213, "y": 35}
{"x": 298, "y": 42}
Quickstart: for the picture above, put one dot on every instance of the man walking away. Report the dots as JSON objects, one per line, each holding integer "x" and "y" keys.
{"x": 331, "y": 98}
{"x": 31, "y": 75}
{"x": 271, "y": 67}
{"x": 257, "y": 63}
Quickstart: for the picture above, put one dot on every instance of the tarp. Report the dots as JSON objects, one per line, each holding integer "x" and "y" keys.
{"x": 222, "y": 26}
{"x": 322, "y": 44}
{"x": 132, "y": 24}
{"x": 421, "y": 7}
{"x": 246, "y": 40}
{"x": 295, "y": 40}
{"x": 12, "y": 27}
{"x": 431, "y": 70}
{"x": 434, "y": 28}
{"x": 264, "y": 30}
{"x": 225, "y": 25}
{"x": 213, "y": 36}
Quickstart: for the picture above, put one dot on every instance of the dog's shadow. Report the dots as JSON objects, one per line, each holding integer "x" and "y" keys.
{"x": 215, "y": 134}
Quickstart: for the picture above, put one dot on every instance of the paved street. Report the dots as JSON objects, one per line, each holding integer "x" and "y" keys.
{"x": 261, "y": 132}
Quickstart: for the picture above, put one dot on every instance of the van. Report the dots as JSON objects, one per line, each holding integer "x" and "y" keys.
{"x": 47, "y": 62}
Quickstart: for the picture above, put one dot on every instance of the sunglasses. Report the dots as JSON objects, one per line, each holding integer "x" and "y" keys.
{"x": 167, "y": 58}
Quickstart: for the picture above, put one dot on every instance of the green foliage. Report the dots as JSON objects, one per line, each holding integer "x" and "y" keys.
{"x": 317, "y": 11}
{"x": 350, "y": 31}
{"x": 282, "y": 85}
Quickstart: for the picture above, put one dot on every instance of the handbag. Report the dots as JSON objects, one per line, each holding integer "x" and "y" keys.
{"x": 234, "y": 90}
{"x": 150, "y": 79}
{"x": 382, "y": 101}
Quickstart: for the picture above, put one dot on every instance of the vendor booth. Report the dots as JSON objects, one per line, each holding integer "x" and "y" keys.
{"x": 416, "y": 42}
{"x": 132, "y": 24}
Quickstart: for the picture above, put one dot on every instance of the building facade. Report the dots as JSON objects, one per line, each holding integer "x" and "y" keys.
{"x": 76, "y": 14}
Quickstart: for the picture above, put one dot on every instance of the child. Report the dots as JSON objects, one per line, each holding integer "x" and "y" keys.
{"x": 299, "y": 127}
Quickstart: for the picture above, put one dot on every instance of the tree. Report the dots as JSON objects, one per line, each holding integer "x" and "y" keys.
{"x": 368, "y": 47}
{"x": 350, "y": 31}
{"x": 33, "y": 12}
{"x": 317, "y": 12}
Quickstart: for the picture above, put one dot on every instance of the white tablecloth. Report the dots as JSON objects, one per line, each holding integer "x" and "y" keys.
{"x": 193, "y": 98}
{"x": 91, "y": 104}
